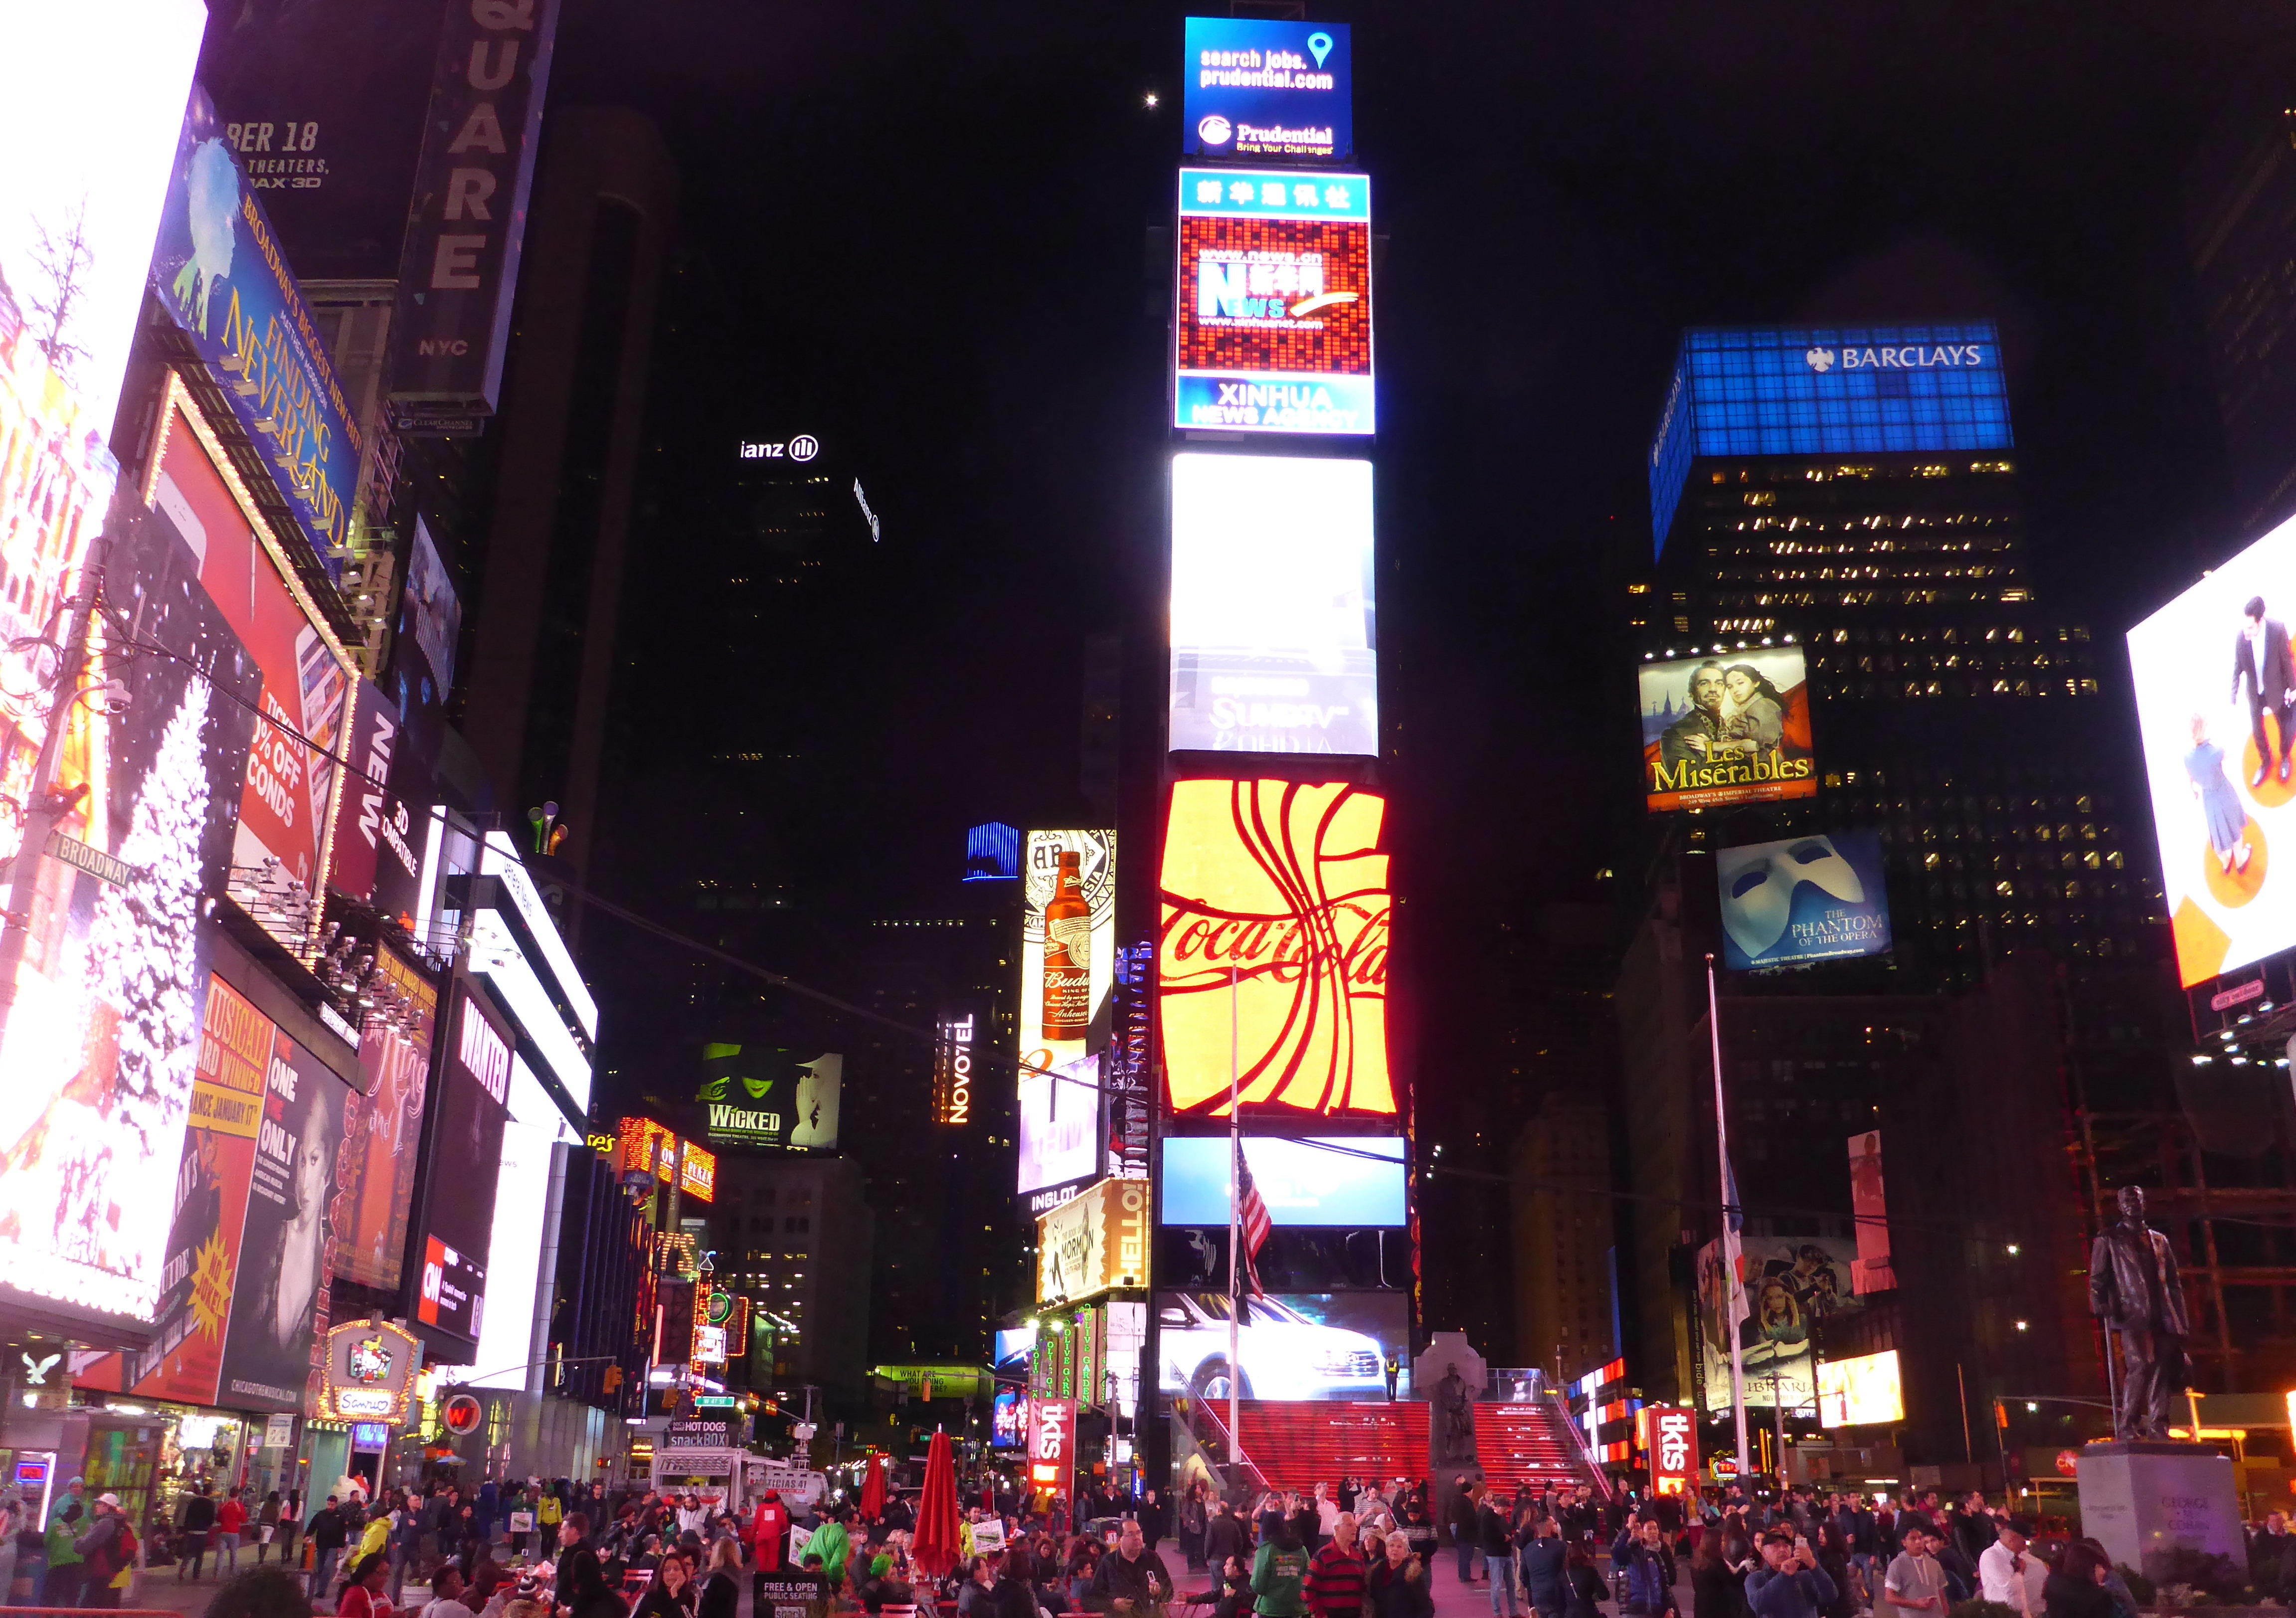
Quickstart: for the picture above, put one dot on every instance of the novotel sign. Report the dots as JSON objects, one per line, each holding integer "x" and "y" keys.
{"x": 953, "y": 1077}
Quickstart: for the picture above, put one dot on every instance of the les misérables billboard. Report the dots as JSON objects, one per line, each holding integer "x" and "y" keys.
{"x": 1730, "y": 728}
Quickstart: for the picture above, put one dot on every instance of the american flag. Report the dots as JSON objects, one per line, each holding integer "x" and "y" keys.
{"x": 1254, "y": 1219}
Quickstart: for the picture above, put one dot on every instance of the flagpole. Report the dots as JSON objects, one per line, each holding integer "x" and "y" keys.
{"x": 1234, "y": 1247}
{"x": 1730, "y": 1244}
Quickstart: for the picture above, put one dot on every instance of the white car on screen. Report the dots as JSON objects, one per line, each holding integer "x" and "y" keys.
{"x": 1283, "y": 1353}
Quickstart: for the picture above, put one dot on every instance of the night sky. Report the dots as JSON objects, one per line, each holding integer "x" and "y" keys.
{"x": 926, "y": 228}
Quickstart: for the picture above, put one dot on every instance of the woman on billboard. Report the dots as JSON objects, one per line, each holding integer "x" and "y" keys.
{"x": 1756, "y": 717}
{"x": 2219, "y": 803}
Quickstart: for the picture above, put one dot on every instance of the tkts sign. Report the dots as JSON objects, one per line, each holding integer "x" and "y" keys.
{"x": 1671, "y": 1436}
{"x": 1052, "y": 1444}
{"x": 1273, "y": 946}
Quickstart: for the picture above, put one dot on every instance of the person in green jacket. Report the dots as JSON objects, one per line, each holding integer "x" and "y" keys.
{"x": 1278, "y": 1572}
{"x": 832, "y": 1546}
{"x": 66, "y": 1568}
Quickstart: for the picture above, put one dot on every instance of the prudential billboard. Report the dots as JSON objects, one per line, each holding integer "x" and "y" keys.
{"x": 1257, "y": 88}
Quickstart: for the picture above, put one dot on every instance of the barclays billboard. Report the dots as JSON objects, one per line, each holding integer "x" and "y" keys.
{"x": 1826, "y": 390}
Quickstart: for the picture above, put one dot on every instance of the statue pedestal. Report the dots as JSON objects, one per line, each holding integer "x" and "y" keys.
{"x": 2142, "y": 1500}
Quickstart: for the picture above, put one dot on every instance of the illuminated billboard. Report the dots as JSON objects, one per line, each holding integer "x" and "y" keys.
{"x": 766, "y": 1096}
{"x": 111, "y": 985}
{"x": 1264, "y": 87}
{"x": 1094, "y": 1241}
{"x": 534, "y": 1126}
{"x": 1865, "y": 1391}
{"x": 1787, "y": 1286}
{"x": 1729, "y": 728}
{"x": 1068, "y": 970}
{"x": 2215, "y": 715}
{"x": 1826, "y": 390}
{"x": 952, "y": 1086}
{"x": 1273, "y": 610}
{"x": 1274, "y": 920}
{"x": 1355, "y": 1180}
{"x": 195, "y": 486}
{"x": 220, "y": 272}
{"x": 374, "y": 1180}
{"x": 1273, "y": 326}
{"x": 1802, "y": 900}
{"x": 1330, "y": 1345}
{"x": 1059, "y": 1116}
{"x": 469, "y": 1108}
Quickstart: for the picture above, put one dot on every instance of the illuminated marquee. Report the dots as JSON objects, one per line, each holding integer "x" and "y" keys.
{"x": 1051, "y": 1444}
{"x": 1273, "y": 327}
{"x": 371, "y": 1367}
{"x": 1279, "y": 889}
{"x": 1671, "y": 1435}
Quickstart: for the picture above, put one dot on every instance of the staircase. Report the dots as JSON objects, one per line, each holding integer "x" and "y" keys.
{"x": 1297, "y": 1444}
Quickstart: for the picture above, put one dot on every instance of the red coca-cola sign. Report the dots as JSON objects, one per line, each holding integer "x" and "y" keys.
{"x": 1273, "y": 949}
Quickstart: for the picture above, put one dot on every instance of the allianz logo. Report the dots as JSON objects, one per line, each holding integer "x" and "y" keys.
{"x": 1906, "y": 356}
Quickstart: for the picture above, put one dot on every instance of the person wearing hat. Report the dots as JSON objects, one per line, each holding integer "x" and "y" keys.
{"x": 66, "y": 1571}
{"x": 73, "y": 1495}
{"x": 107, "y": 1548}
{"x": 768, "y": 1538}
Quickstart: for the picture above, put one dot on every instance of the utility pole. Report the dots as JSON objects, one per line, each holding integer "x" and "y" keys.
{"x": 1732, "y": 1215}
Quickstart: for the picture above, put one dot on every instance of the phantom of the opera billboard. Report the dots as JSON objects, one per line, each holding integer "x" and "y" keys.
{"x": 1729, "y": 728}
{"x": 1272, "y": 957}
{"x": 1802, "y": 900}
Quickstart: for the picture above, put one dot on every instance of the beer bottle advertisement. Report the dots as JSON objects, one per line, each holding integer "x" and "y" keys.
{"x": 1067, "y": 944}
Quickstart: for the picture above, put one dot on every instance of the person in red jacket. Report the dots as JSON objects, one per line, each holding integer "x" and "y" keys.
{"x": 768, "y": 1535}
{"x": 230, "y": 1522}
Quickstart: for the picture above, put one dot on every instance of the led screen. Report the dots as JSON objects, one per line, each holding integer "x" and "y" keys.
{"x": 1262, "y": 87}
{"x": 1861, "y": 1392}
{"x": 98, "y": 1046}
{"x": 1802, "y": 900}
{"x": 1729, "y": 728}
{"x": 1060, "y": 1118}
{"x": 1826, "y": 390}
{"x": 1067, "y": 971}
{"x": 767, "y": 1096}
{"x": 1291, "y": 1346}
{"x": 514, "y": 1260}
{"x": 2215, "y": 708}
{"x": 1273, "y": 945}
{"x": 374, "y": 1182}
{"x": 306, "y": 685}
{"x": 471, "y": 1106}
{"x": 1352, "y": 1180}
{"x": 1272, "y": 328}
{"x": 1273, "y": 622}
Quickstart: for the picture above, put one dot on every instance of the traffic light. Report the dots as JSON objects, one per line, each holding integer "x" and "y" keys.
{"x": 613, "y": 1380}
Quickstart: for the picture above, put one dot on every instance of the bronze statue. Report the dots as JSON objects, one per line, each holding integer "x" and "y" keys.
{"x": 2132, "y": 1289}
{"x": 1454, "y": 1424}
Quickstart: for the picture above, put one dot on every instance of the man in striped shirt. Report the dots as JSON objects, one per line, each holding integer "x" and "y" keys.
{"x": 1335, "y": 1585}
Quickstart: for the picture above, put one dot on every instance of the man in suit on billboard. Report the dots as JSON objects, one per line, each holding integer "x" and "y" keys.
{"x": 2260, "y": 665}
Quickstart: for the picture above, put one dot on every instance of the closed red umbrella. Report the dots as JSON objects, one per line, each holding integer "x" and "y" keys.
{"x": 872, "y": 1491}
{"x": 935, "y": 1547}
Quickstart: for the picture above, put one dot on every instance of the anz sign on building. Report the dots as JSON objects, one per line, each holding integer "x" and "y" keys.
{"x": 1823, "y": 390}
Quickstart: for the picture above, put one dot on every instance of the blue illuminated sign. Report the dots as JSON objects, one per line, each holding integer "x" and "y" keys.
{"x": 1260, "y": 88}
{"x": 992, "y": 852}
{"x": 1826, "y": 390}
{"x": 1348, "y": 1180}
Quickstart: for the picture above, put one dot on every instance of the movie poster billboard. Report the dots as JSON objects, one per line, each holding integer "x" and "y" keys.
{"x": 98, "y": 1048}
{"x": 1789, "y": 1284}
{"x": 1272, "y": 953}
{"x": 291, "y": 773}
{"x": 1273, "y": 327}
{"x": 1802, "y": 900}
{"x": 323, "y": 103}
{"x": 2216, "y": 714}
{"x": 374, "y": 1182}
{"x": 219, "y": 271}
{"x": 1273, "y": 614}
{"x": 1729, "y": 728}
{"x": 278, "y": 1308}
{"x": 770, "y": 1095}
{"x": 1267, "y": 87}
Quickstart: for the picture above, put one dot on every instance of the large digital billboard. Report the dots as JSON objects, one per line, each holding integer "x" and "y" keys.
{"x": 2215, "y": 715}
{"x": 1290, "y": 1345}
{"x": 534, "y": 1126}
{"x": 469, "y": 1105}
{"x": 1067, "y": 971}
{"x": 1273, "y": 943}
{"x": 766, "y": 1096}
{"x": 1729, "y": 728}
{"x": 1274, "y": 613}
{"x": 1802, "y": 900}
{"x": 1263, "y": 88}
{"x": 1824, "y": 390}
{"x": 1272, "y": 328}
{"x": 111, "y": 981}
{"x": 374, "y": 1182}
{"x": 194, "y": 487}
{"x": 221, "y": 274}
{"x": 1096, "y": 1240}
{"x": 1355, "y": 1181}
{"x": 1862, "y": 1391}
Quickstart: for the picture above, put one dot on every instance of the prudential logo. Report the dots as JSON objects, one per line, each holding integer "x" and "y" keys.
{"x": 1215, "y": 130}
{"x": 1820, "y": 360}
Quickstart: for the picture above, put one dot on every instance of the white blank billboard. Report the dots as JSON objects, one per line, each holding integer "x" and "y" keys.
{"x": 1273, "y": 649}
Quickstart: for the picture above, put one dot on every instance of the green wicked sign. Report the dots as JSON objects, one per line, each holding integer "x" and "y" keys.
{"x": 763, "y": 1096}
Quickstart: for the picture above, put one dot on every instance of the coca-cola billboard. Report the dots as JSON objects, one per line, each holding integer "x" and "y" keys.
{"x": 1273, "y": 947}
